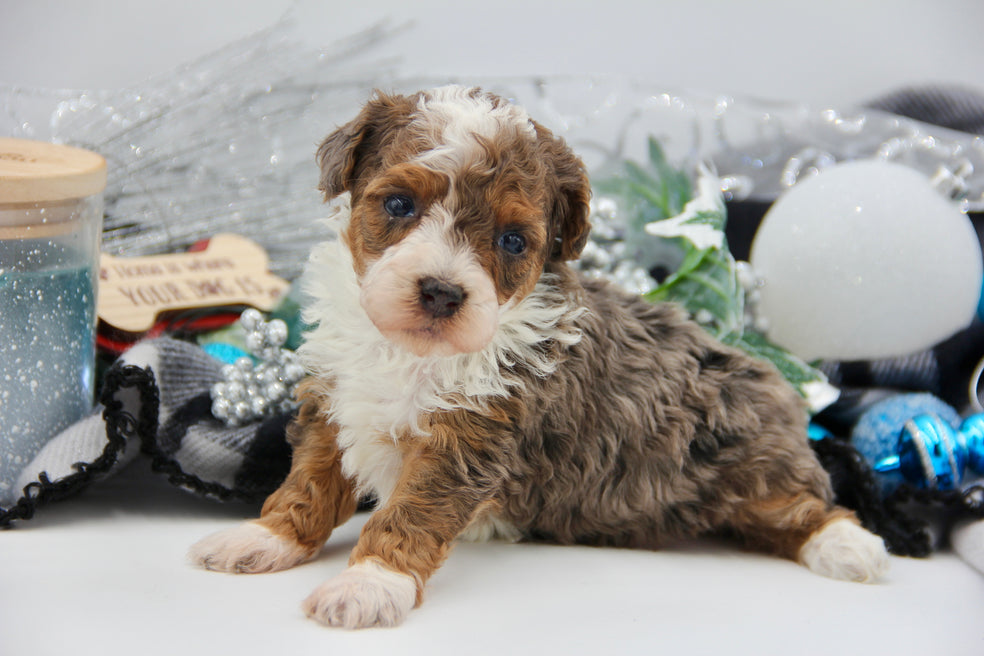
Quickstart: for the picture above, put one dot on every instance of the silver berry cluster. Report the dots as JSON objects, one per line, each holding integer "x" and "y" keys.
{"x": 248, "y": 392}
{"x": 610, "y": 254}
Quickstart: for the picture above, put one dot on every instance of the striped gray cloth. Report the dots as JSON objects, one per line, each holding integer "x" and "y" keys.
{"x": 950, "y": 106}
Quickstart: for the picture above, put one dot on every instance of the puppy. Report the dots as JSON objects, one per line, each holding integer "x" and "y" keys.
{"x": 463, "y": 375}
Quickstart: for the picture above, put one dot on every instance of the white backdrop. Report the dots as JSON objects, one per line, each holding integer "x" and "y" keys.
{"x": 835, "y": 52}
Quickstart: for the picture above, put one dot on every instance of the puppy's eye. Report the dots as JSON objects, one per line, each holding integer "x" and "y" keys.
{"x": 512, "y": 242}
{"x": 399, "y": 206}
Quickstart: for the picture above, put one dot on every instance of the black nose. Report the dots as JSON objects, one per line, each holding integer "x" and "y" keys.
{"x": 440, "y": 298}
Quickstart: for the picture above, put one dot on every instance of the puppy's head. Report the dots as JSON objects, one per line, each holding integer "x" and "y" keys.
{"x": 458, "y": 201}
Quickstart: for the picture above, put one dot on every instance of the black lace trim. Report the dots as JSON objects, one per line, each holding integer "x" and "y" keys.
{"x": 856, "y": 487}
{"x": 120, "y": 426}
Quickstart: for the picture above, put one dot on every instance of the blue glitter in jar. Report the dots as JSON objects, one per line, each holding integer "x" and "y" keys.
{"x": 50, "y": 224}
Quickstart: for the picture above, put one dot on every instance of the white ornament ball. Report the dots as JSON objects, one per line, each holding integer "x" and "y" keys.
{"x": 864, "y": 261}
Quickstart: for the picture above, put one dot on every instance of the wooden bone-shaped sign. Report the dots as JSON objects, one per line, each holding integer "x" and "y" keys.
{"x": 232, "y": 270}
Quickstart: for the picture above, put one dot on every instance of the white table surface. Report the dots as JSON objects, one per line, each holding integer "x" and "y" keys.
{"x": 104, "y": 573}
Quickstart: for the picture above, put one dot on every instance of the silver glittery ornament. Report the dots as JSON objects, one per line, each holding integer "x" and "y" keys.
{"x": 250, "y": 391}
{"x": 607, "y": 255}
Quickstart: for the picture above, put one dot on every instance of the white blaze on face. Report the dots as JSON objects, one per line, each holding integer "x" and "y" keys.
{"x": 390, "y": 291}
{"x": 461, "y": 118}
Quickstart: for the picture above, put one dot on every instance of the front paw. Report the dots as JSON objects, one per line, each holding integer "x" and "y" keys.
{"x": 247, "y": 549}
{"x": 366, "y": 594}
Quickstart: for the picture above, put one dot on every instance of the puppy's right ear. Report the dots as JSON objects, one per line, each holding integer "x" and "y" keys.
{"x": 354, "y": 147}
{"x": 336, "y": 157}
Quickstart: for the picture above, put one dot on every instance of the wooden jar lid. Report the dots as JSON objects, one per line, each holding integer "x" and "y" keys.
{"x": 38, "y": 172}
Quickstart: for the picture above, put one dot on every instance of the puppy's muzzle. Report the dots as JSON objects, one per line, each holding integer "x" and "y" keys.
{"x": 440, "y": 299}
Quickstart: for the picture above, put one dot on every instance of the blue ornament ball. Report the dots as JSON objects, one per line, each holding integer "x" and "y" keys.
{"x": 876, "y": 434}
{"x": 980, "y": 304}
{"x": 972, "y": 433}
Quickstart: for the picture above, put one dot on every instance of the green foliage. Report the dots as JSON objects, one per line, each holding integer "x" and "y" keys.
{"x": 652, "y": 193}
{"x": 692, "y": 218}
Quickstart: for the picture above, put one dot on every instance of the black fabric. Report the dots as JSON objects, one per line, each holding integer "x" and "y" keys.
{"x": 855, "y": 488}
{"x": 268, "y": 461}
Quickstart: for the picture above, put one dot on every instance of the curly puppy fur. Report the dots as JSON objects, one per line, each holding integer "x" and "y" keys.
{"x": 511, "y": 397}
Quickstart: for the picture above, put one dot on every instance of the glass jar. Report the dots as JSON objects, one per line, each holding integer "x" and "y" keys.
{"x": 51, "y": 210}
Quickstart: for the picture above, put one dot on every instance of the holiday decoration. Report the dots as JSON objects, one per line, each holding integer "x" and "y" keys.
{"x": 876, "y": 434}
{"x": 851, "y": 258}
{"x": 50, "y": 222}
{"x": 920, "y": 450}
{"x": 249, "y": 390}
{"x": 931, "y": 453}
{"x": 226, "y": 270}
{"x": 221, "y": 144}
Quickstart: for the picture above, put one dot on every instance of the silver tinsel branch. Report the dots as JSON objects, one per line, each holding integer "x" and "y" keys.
{"x": 223, "y": 144}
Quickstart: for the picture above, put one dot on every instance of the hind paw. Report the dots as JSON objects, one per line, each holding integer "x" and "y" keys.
{"x": 843, "y": 550}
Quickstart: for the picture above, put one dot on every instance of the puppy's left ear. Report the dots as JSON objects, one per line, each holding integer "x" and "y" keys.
{"x": 569, "y": 224}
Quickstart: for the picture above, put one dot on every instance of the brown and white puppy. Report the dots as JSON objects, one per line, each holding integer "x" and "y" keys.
{"x": 466, "y": 377}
